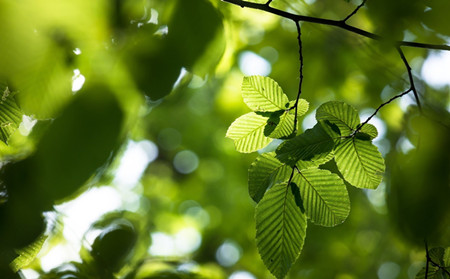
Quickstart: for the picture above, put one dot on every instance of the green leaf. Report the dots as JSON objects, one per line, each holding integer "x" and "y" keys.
{"x": 280, "y": 229}
{"x": 369, "y": 130}
{"x": 265, "y": 171}
{"x": 360, "y": 163}
{"x": 344, "y": 116}
{"x": 325, "y": 197}
{"x": 248, "y": 132}
{"x": 263, "y": 94}
{"x": 284, "y": 125}
{"x": 446, "y": 258}
{"x": 28, "y": 254}
{"x": 310, "y": 149}
{"x": 10, "y": 113}
{"x": 432, "y": 272}
{"x": 188, "y": 37}
{"x": 302, "y": 107}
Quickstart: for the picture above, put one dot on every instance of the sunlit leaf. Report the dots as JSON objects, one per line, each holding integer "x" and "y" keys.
{"x": 248, "y": 132}
{"x": 324, "y": 195}
{"x": 360, "y": 163}
{"x": 10, "y": 113}
{"x": 369, "y": 130}
{"x": 280, "y": 229}
{"x": 302, "y": 107}
{"x": 283, "y": 123}
{"x": 341, "y": 114}
{"x": 265, "y": 171}
{"x": 310, "y": 149}
{"x": 263, "y": 94}
{"x": 28, "y": 254}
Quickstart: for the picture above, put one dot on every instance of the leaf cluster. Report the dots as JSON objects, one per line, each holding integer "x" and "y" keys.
{"x": 290, "y": 185}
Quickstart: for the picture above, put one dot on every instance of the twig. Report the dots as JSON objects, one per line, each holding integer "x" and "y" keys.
{"x": 428, "y": 259}
{"x": 337, "y": 23}
{"x": 355, "y": 11}
{"x": 268, "y": 2}
{"x": 411, "y": 79}
{"x": 376, "y": 111}
{"x": 300, "y": 52}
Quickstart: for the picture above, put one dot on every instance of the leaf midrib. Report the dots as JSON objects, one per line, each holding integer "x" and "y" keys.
{"x": 320, "y": 196}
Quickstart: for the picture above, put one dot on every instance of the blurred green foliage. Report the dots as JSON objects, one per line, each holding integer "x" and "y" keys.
{"x": 168, "y": 74}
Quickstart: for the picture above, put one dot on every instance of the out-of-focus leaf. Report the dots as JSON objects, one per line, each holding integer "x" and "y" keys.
{"x": 360, "y": 163}
{"x": 310, "y": 149}
{"x": 280, "y": 229}
{"x": 189, "y": 36}
{"x": 419, "y": 182}
{"x": 263, "y": 94}
{"x": 151, "y": 62}
{"x": 264, "y": 172}
{"x": 248, "y": 132}
{"x": 28, "y": 254}
{"x": 77, "y": 144}
{"x": 324, "y": 196}
{"x": 113, "y": 246}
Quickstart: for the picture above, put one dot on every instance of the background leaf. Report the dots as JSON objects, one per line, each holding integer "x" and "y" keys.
{"x": 263, "y": 94}
{"x": 360, "y": 163}
{"x": 280, "y": 229}
{"x": 265, "y": 171}
{"x": 248, "y": 132}
{"x": 324, "y": 196}
{"x": 341, "y": 114}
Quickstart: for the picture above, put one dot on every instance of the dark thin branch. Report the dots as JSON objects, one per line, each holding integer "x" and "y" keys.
{"x": 376, "y": 111}
{"x": 428, "y": 259}
{"x": 337, "y": 23}
{"x": 300, "y": 52}
{"x": 411, "y": 79}
{"x": 268, "y": 2}
{"x": 355, "y": 11}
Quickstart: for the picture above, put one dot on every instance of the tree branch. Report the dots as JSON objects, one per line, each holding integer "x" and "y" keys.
{"x": 355, "y": 11}
{"x": 411, "y": 79}
{"x": 300, "y": 52}
{"x": 379, "y": 107}
{"x": 268, "y": 2}
{"x": 337, "y": 23}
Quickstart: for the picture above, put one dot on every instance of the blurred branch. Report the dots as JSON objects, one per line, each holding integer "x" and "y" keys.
{"x": 268, "y": 2}
{"x": 337, "y": 23}
{"x": 411, "y": 79}
{"x": 300, "y": 52}
{"x": 355, "y": 11}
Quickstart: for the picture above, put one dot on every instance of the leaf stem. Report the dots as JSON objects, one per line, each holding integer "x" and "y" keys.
{"x": 337, "y": 23}
{"x": 300, "y": 52}
{"x": 355, "y": 11}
